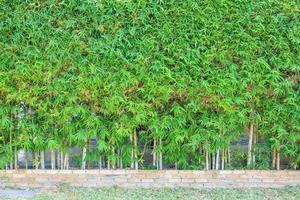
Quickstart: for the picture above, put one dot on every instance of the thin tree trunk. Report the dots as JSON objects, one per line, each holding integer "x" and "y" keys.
{"x": 58, "y": 159}
{"x": 36, "y": 158}
{"x": 83, "y": 158}
{"x": 66, "y": 161}
{"x": 6, "y": 166}
{"x": 100, "y": 162}
{"x": 87, "y": 162}
{"x": 132, "y": 160}
{"x": 250, "y": 144}
{"x": 135, "y": 151}
{"x": 217, "y": 160}
{"x": 108, "y": 164}
{"x": 229, "y": 156}
{"x": 157, "y": 162}
{"x": 26, "y": 160}
{"x": 273, "y": 158}
{"x": 52, "y": 159}
{"x": 200, "y": 153}
{"x": 118, "y": 158}
{"x": 121, "y": 159}
{"x": 11, "y": 164}
{"x": 225, "y": 157}
{"x": 213, "y": 156}
{"x": 61, "y": 159}
{"x": 160, "y": 155}
{"x": 153, "y": 152}
{"x": 223, "y": 160}
{"x": 207, "y": 160}
{"x": 278, "y": 160}
{"x": 16, "y": 158}
{"x": 254, "y": 149}
{"x": 113, "y": 162}
{"x": 88, "y": 149}
{"x": 42, "y": 158}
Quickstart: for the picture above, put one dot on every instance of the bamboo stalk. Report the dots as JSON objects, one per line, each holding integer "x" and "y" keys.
{"x": 66, "y": 161}
{"x": 207, "y": 160}
{"x": 6, "y": 166}
{"x": 274, "y": 158}
{"x": 16, "y": 158}
{"x": 83, "y": 165}
{"x": 88, "y": 147}
{"x": 58, "y": 159}
{"x": 225, "y": 157}
{"x": 121, "y": 159}
{"x": 217, "y": 160}
{"x": 157, "y": 155}
{"x": 154, "y": 153}
{"x": 157, "y": 162}
{"x": 132, "y": 162}
{"x": 36, "y": 160}
{"x": 52, "y": 159}
{"x": 278, "y": 160}
{"x": 100, "y": 162}
{"x": 229, "y": 156}
{"x": 11, "y": 165}
{"x": 118, "y": 158}
{"x": 108, "y": 164}
{"x": 213, "y": 156}
{"x": 160, "y": 155}
{"x": 113, "y": 161}
{"x": 254, "y": 149}
{"x": 223, "y": 160}
{"x": 135, "y": 151}
{"x": 26, "y": 160}
{"x": 42, "y": 158}
{"x": 61, "y": 159}
{"x": 250, "y": 144}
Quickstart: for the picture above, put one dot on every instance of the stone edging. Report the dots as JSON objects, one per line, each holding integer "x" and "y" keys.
{"x": 148, "y": 178}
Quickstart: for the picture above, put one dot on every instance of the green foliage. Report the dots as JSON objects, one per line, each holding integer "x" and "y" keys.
{"x": 193, "y": 73}
{"x": 239, "y": 159}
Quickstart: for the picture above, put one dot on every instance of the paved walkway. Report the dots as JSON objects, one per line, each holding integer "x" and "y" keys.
{"x": 9, "y": 193}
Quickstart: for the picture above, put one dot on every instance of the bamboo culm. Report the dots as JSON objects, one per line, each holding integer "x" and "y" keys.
{"x": 249, "y": 158}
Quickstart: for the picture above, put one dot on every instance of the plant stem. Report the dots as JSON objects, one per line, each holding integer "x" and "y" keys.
{"x": 52, "y": 159}
{"x": 278, "y": 160}
{"x": 223, "y": 160}
{"x": 42, "y": 158}
{"x": 217, "y": 160}
{"x": 83, "y": 158}
{"x": 250, "y": 144}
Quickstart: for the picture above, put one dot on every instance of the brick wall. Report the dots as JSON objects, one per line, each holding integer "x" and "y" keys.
{"x": 145, "y": 178}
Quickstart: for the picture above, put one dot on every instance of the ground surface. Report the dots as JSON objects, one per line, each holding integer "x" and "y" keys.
{"x": 71, "y": 193}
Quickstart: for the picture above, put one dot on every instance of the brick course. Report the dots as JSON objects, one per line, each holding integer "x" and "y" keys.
{"x": 148, "y": 178}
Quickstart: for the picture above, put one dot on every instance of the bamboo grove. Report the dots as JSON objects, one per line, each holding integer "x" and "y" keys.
{"x": 179, "y": 81}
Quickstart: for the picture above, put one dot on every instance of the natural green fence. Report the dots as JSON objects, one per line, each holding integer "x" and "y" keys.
{"x": 181, "y": 79}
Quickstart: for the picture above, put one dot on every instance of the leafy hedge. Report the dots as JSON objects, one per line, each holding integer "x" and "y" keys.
{"x": 182, "y": 78}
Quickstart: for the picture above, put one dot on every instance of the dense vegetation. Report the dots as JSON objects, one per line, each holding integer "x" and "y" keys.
{"x": 182, "y": 79}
